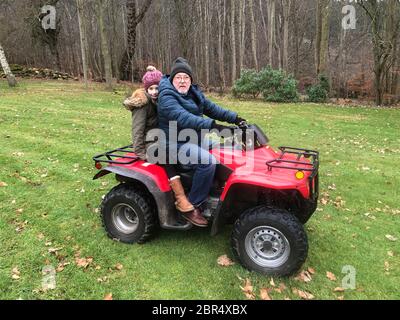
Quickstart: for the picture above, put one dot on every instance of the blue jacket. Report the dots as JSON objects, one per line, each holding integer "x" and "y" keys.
{"x": 188, "y": 110}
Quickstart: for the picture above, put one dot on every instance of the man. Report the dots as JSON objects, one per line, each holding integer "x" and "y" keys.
{"x": 182, "y": 102}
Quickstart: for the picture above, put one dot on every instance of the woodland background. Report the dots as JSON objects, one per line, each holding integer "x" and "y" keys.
{"x": 106, "y": 40}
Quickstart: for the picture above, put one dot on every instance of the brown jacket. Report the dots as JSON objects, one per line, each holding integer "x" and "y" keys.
{"x": 144, "y": 119}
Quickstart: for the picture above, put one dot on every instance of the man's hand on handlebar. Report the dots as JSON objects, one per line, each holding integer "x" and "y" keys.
{"x": 221, "y": 127}
{"x": 240, "y": 121}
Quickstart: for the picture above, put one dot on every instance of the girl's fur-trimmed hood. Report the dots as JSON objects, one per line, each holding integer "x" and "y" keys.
{"x": 138, "y": 100}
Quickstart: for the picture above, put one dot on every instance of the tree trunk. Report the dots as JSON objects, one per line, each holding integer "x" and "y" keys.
{"x": 84, "y": 45}
{"x": 221, "y": 32}
{"x": 242, "y": 28}
{"x": 324, "y": 54}
{"x": 253, "y": 34}
{"x": 133, "y": 21}
{"x": 287, "y": 4}
{"x": 207, "y": 26}
{"x": 322, "y": 37}
{"x": 6, "y": 68}
{"x": 382, "y": 44}
{"x": 102, "y": 8}
{"x": 271, "y": 37}
{"x": 233, "y": 41}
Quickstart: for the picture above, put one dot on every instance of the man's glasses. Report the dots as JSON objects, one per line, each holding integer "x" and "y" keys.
{"x": 184, "y": 79}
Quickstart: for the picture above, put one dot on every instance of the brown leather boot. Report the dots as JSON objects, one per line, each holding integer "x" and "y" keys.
{"x": 182, "y": 203}
{"x": 196, "y": 218}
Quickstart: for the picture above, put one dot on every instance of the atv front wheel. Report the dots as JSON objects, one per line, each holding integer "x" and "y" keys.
{"x": 270, "y": 241}
{"x": 128, "y": 215}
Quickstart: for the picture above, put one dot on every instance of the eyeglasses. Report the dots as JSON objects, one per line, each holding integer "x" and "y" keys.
{"x": 184, "y": 79}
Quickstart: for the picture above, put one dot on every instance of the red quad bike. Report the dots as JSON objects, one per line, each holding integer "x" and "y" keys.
{"x": 268, "y": 202}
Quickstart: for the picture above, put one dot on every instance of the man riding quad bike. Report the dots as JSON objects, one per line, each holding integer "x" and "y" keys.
{"x": 267, "y": 195}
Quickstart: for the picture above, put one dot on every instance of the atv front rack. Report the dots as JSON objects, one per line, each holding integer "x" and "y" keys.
{"x": 120, "y": 154}
{"x": 299, "y": 165}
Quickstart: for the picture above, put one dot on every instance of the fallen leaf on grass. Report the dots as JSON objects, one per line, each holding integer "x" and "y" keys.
{"x": 101, "y": 280}
{"x": 264, "y": 294}
{"x": 16, "y": 274}
{"x": 324, "y": 198}
{"x": 108, "y": 296}
{"x": 272, "y": 282}
{"x": 3, "y": 184}
{"x": 281, "y": 288}
{"x": 18, "y": 154}
{"x": 304, "y": 276}
{"x": 330, "y": 276}
{"x": 339, "y": 203}
{"x": 21, "y": 226}
{"x": 83, "y": 262}
{"x": 390, "y": 254}
{"x": 339, "y": 289}
{"x": 311, "y": 270}
{"x": 391, "y": 238}
{"x": 119, "y": 266}
{"x": 303, "y": 294}
{"x": 61, "y": 266}
{"x": 54, "y": 250}
{"x": 248, "y": 290}
{"x": 387, "y": 266}
{"x": 224, "y": 261}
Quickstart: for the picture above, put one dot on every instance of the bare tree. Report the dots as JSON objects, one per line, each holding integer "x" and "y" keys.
{"x": 271, "y": 36}
{"x": 84, "y": 45}
{"x": 221, "y": 33}
{"x": 286, "y": 4}
{"x": 253, "y": 33}
{"x": 6, "y": 68}
{"x": 102, "y": 8}
{"x": 233, "y": 41}
{"x": 322, "y": 37}
{"x": 242, "y": 29}
{"x": 134, "y": 19}
{"x": 382, "y": 41}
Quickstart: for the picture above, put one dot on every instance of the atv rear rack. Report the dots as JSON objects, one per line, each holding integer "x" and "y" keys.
{"x": 298, "y": 165}
{"x": 120, "y": 154}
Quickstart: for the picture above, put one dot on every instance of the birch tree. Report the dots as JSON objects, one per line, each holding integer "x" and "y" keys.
{"x": 6, "y": 68}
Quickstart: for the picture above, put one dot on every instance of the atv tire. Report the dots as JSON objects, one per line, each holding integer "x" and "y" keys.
{"x": 128, "y": 215}
{"x": 270, "y": 241}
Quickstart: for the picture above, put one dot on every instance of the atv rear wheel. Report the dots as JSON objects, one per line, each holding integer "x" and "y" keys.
{"x": 270, "y": 241}
{"x": 128, "y": 215}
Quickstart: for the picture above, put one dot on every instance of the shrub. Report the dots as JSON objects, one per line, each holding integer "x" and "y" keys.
{"x": 248, "y": 83}
{"x": 275, "y": 85}
{"x": 319, "y": 92}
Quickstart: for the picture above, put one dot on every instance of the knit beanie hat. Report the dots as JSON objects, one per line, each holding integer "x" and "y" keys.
{"x": 181, "y": 65}
{"x": 152, "y": 77}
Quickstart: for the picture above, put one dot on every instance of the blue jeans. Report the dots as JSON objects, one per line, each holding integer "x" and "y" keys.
{"x": 204, "y": 165}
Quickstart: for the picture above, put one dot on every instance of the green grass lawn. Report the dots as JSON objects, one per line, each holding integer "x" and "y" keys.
{"x": 49, "y": 132}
